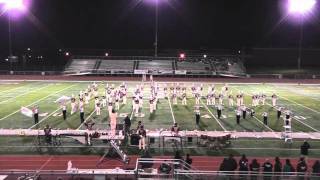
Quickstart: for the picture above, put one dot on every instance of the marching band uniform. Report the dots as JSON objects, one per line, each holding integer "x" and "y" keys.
{"x": 230, "y": 100}
{"x": 197, "y": 95}
{"x": 136, "y": 106}
{"x": 238, "y": 115}
{"x": 110, "y": 107}
{"x": 274, "y": 100}
{"x": 35, "y": 111}
{"x": 279, "y": 113}
{"x": 184, "y": 99}
{"x": 151, "y": 105}
{"x": 238, "y": 100}
{"x": 263, "y": 99}
{"x": 174, "y": 98}
{"x": 116, "y": 104}
{"x": 64, "y": 111}
{"x": 98, "y": 108}
{"x": 265, "y": 118}
{"x": 197, "y": 111}
{"x": 81, "y": 109}
{"x": 86, "y": 98}
{"x": 73, "y": 106}
{"x": 220, "y": 99}
{"x": 241, "y": 99}
{"x": 209, "y": 98}
{"x": 104, "y": 101}
{"x": 244, "y": 112}
{"x": 219, "y": 111}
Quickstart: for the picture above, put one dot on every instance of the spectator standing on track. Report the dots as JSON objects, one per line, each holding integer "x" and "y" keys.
{"x": 224, "y": 165}
{"x": 143, "y": 134}
{"x": 304, "y": 148}
{"x": 243, "y": 165}
{"x": 316, "y": 168}
{"x": 127, "y": 124}
{"x": 254, "y": 168}
{"x": 277, "y": 168}
{"x": 35, "y": 111}
{"x": 302, "y": 168}
{"x": 231, "y": 163}
{"x": 267, "y": 169}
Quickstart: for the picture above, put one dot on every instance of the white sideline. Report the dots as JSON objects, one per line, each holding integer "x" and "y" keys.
{"x": 36, "y": 102}
{"x": 173, "y": 118}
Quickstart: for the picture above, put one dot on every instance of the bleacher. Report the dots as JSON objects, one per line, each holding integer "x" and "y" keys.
{"x": 156, "y": 66}
{"x": 198, "y": 67}
{"x": 116, "y": 66}
{"x": 81, "y": 66}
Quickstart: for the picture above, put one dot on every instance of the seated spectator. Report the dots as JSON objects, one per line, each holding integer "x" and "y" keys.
{"x": 165, "y": 168}
{"x": 288, "y": 168}
{"x": 316, "y": 168}
{"x": 254, "y": 168}
{"x": 304, "y": 148}
{"x": 277, "y": 167}
{"x": 146, "y": 164}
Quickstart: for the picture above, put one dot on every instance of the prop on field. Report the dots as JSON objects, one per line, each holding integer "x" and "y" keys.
{"x": 62, "y": 99}
{"x": 206, "y": 116}
{"x": 139, "y": 115}
{"x": 57, "y": 114}
{"x": 26, "y": 111}
{"x": 123, "y": 114}
{"x": 43, "y": 114}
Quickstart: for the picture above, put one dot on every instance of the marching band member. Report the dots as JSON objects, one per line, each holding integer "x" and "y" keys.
{"x": 81, "y": 109}
{"x": 174, "y": 98}
{"x": 197, "y": 96}
{"x": 220, "y": 99}
{"x": 113, "y": 122}
{"x": 124, "y": 96}
{"x": 230, "y": 99}
{"x": 175, "y": 129}
{"x": 184, "y": 99}
{"x": 238, "y": 115}
{"x": 197, "y": 112}
{"x": 98, "y": 107}
{"x": 73, "y": 105}
{"x": 263, "y": 99}
{"x": 116, "y": 103}
{"x": 219, "y": 111}
{"x": 265, "y": 118}
{"x": 64, "y": 111}
{"x": 241, "y": 99}
{"x": 165, "y": 91}
{"x": 279, "y": 109}
{"x": 143, "y": 134}
{"x": 274, "y": 100}
{"x": 244, "y": 111}
{"x": 201, "y": 90}
{"x": 35, "y": 111}
{"x": 86, "y": 98}
{"x": 193, "y": 89}
{"x": 238, "y": 100}
{"x": 254, "y": 99}
{"x": 110, "y": 106}
{"x": 104, "y": 101}
{"x": 209, "y": 99}
{"x": 136, "y": 106}
{"x": 151, "y": 105}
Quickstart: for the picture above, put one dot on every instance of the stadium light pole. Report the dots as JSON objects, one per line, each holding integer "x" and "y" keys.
{"x": 300, "y": 8}
{"x": 156, "y": 28}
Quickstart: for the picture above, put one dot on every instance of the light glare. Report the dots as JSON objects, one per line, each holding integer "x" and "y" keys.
{"x": 301, "y": 6}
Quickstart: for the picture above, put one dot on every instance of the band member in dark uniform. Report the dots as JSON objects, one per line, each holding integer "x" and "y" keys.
{"x": 197, "y": 112}
{"x": 252, "y": 112}
{"x": 265, "y": 118}
{"x": 244, "y": 112}
{"x": 238, "y": 115}
{"x": 64, "y": 111}
{"x": 278, "y": 113}
{"x": 47, "y": 134}
{"x": 219, "y": 111}
{"x": 35, "y": 111}
{"x": 81, "y": 108}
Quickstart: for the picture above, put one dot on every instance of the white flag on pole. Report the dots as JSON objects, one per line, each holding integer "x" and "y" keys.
{"x": 62, "y": 99}
{"x": 26, "y": 111}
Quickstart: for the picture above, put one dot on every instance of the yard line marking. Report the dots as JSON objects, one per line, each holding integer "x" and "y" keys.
{"x": 37, "y": 89}
{"x": 295, "y": 118}
{"x": 14, "y": 88}
{"x": 37, "y": 101}
{"x": 213, "y": 116}
{"x": 173, "y": 118}
{"x": 86, "y": 119}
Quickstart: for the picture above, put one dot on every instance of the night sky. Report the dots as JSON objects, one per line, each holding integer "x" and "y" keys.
{"x": 183, "y": 24}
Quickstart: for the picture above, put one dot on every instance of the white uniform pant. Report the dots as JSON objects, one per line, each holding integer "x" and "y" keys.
{"x": 98, "y": 110}
{"x": 142, "y": 142}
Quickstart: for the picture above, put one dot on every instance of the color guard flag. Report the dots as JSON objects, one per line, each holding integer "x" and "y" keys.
{"x": 26, "y": 111}
{"x": 62, "y": 99}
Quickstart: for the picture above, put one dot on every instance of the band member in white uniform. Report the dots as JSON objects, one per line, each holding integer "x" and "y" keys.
{"x": 73, "y": 105}
{"x": 110, "y": 106}
{"x": 184, "y": 99}
{"x": 151, "y": 105}
{"x": 238, "y": 100}
{"x": 209, "y": 99}
{"x": 174, "y": 98}
{"x": 197, "y": 96}
{"x": 230, "y": 99}
{"x": 220, "y": 99}
{"x": 98, "y": 108}
{"x": 274, "y": 100}
{"x": 136, "y": 106}
{"x": 104, "y": 101}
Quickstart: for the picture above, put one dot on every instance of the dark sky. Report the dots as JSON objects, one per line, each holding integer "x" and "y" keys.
{"x": 183, "y": 24}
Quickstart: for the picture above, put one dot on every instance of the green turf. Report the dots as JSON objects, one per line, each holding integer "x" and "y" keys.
{"x": 303, "y": 100}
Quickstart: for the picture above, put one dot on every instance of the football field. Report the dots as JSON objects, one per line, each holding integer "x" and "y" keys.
{"x": 302, "y": 100}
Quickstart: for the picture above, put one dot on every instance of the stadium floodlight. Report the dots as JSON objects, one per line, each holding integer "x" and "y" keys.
{"x": 9, "y": 5}
{"x": 204, "y": 56}
{"x": 107, "y": 54}
{"x": 300, "y": 9}
{"x": 300, "y": 6}
{"x": 67, "y": 54}
{"x": 182, "y": 55}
